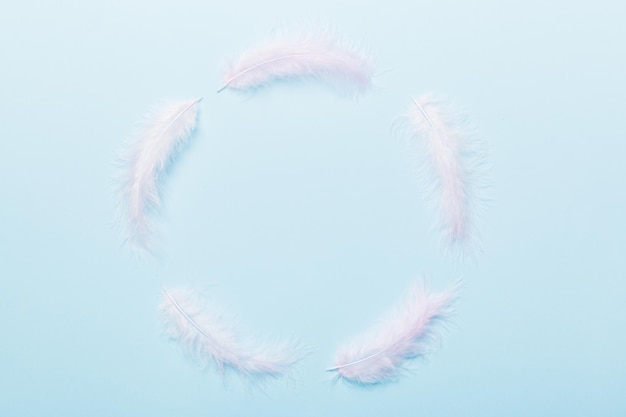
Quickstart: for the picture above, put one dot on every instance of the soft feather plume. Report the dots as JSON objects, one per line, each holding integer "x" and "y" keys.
{"x": 208, "y": 338}
{"x": 412, "y": 332}
{"x": 452, "y": 168}
{"x": 317, "y": 55}
{"x": 164, "y": 131}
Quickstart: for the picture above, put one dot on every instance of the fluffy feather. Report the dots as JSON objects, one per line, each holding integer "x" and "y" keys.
{"x": 318, "y": 55}
{"x": 208, "y": 338}
{"x": 164, "y": 131}
{"x": 452, "y": 166}
{"x": 412, "y": 332}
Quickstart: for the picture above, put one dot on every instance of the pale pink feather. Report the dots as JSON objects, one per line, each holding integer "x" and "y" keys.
{"x": 318, "y": 55}
{"x": 453, "y": 167}
{"x": 210, "y": 339}
{"x": 413, "y": 331}
{"x": 164, "y": 131}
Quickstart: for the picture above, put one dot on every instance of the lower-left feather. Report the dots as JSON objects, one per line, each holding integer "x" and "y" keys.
{"x": 164, "y": 131}
{"x": 207, "y": 338}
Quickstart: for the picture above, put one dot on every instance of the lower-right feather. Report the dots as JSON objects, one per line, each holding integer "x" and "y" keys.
{"x": 412, "y": 332}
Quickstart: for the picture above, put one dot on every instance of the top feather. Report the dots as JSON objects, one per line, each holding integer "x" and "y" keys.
{"x": 320, "y": 56}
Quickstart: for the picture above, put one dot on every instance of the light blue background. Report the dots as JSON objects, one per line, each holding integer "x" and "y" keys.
{"x": 301, "y": 211}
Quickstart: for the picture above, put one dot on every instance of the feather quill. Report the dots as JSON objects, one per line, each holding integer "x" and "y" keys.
{"x": 452, "y": 167}
{"x": 317, "y": 55}
{"x": 412, "y": 332}
{"x": 163, "y": 133}
{"x": 210, "y": 339}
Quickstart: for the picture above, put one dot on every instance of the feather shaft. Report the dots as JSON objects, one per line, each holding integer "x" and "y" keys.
{"x": 426, "y": 116}
{"x": 186, "y": 316}
{"x": 356, "y": 362}
{"x": 252, "y": 68}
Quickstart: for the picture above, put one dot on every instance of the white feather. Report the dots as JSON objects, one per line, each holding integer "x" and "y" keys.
{"x": 412, "y": 332}
{"x": 317, "y": 55}
{"x": 163, "y": 133}
{"x": 452, "y": 167}
{"x": 208, "y": 338}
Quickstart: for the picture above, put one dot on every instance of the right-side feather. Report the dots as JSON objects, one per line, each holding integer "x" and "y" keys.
{"x": 411, "y": 332}
{"x": 164, "y": 132}
{"x": 453, "y": 166}
{"x": 208, "y": 338}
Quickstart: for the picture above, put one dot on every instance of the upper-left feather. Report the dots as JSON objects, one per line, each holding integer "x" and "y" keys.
{"x": 163, "y": 133}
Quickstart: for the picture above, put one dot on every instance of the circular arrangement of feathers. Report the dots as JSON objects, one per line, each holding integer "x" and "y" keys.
{"x": 452, "y": 162}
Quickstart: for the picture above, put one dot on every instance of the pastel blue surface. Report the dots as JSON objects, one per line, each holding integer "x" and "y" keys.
{"x": 302, "y": 212}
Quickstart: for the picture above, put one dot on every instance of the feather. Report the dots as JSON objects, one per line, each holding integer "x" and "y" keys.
{"x": 452, "y": 167}
{"x": 208, "y": 338}
{"x": 164, "y": 132}
{"x": 317, "y": 55}
{"x": 412, "y": 332}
